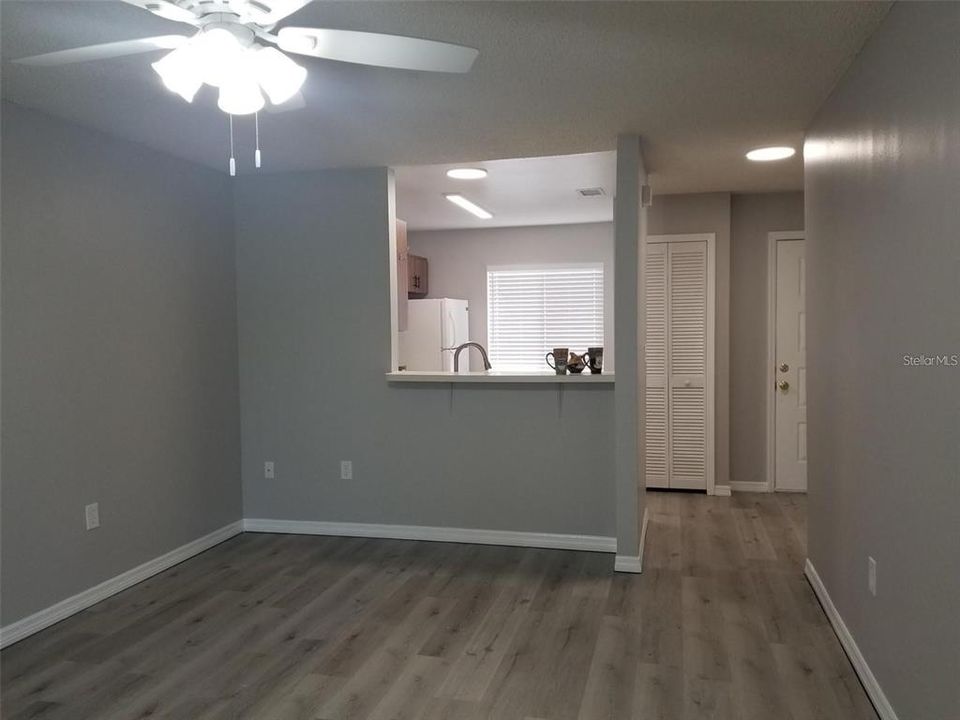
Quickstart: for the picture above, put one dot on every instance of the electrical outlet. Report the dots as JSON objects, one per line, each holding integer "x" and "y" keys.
{"x": 346, "y": 470}
{"x": 872, "y": 576}
{"x": 268, "y": 470}
{"x": 92, "y": 512}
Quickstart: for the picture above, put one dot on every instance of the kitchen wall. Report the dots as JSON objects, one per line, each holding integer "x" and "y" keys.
{"x": 882, "y": 176}
{"x": 459, "y": 260}
{"x": 752, "y": 217}
{"x": 314, "y": 308}
{"x": 119, "y": 357}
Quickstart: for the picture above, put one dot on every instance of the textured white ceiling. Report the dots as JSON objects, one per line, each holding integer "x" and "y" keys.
{"x": 532, "y": 191}
{"x": 701, "y": 82}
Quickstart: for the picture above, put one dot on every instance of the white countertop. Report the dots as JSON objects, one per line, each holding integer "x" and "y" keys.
{"x": 495, "y": 376}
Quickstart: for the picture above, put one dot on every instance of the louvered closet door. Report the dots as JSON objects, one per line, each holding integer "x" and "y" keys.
{"x": 687, "y": 364}
{"x": 676, "y": 351}
{"x": 657, "y": 469}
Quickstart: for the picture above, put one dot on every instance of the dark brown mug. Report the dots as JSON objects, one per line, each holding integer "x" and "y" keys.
{"x": 594, "y": 360}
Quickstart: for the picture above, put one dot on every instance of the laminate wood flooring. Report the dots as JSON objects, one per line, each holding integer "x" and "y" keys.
{"x": 721, "y": 624}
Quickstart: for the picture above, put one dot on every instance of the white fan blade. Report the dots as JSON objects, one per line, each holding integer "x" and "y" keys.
{"x": 166, "y": 9}
{"x": 270, "y": 12}
{"x": 104, "y": 51}
{"x": 294, "y": 103}
{"x": 365, "y": 48}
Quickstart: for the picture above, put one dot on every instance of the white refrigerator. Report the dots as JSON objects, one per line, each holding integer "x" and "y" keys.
{"x": 434, "y": 328}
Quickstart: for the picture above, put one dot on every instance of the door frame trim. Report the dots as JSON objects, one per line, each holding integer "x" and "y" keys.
{"x": 772, "y": 239}
{"x": 711, "y": 379}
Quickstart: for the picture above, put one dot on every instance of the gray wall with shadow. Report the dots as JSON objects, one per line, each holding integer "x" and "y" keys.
{"x": 882, "y": 178}
{"x": 119, "y": 357}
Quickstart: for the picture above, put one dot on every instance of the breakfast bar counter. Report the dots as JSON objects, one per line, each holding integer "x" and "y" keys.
{"x": 494, "y": 376}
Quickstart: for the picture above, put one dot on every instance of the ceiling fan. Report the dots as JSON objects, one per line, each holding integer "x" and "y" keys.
{"x": 231, "y": 51}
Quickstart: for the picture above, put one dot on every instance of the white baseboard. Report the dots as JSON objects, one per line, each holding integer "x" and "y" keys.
{"x": 31, "y": 624}
{"x": 81, "y": 601}
{"x": 555, "y": 541}
{"x": 721, "y": 490}
{"x": 749, "y": 487}
{"x": 874, "y": 691}
{"x": 633, "y": 563}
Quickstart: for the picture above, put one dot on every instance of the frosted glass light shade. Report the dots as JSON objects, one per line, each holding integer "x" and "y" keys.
{"x": 179, "y": 72}
{"x": 219, "y": 56}
{"x": 216, "y": 57}
{"x": 279, "y": 76}
{"x": 241, "y": 97}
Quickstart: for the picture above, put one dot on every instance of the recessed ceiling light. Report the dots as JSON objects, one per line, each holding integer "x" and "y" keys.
{"x": 470, "y": 207}
{"x": 766, "y": 154}
{"x": 467, "y": 173}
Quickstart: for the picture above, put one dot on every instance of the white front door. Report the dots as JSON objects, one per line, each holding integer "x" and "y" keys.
{"x": 790, "y": 373}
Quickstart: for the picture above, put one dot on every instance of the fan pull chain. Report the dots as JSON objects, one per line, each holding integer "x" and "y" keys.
{"x": 256, "y": 125}
{"x": 233, "y": 160}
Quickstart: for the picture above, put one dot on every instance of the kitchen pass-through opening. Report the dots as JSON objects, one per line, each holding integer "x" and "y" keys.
{"x": 505, "y": 261}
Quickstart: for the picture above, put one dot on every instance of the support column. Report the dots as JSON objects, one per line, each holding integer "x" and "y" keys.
{"x": 629, "y": 222}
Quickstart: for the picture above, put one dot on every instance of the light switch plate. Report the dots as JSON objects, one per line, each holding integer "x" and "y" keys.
{"x": 269, "y": 473}
{"x": 346, "y": 470}
{"x": 92, "y": 513}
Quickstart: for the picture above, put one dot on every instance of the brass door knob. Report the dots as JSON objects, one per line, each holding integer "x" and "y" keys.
{"x": 783, "y": 385}
{"x": 784, "y": 367}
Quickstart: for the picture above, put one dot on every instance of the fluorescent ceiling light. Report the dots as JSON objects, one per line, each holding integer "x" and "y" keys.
{"x": 461, "y": 201}
{"x": 766, "y": 154}
{"x": 467, "y": 173}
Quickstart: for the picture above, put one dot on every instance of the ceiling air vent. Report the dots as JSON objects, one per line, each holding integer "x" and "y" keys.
{"x": 591, "y": 192}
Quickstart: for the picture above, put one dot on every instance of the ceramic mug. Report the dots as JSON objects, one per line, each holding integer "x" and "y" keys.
{"x": 559, "y": 363}
{"x": 594, "y": 360}
{"x": 576, "y": 363}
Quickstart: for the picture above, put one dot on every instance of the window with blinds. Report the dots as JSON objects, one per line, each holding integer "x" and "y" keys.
{"x": 531, "y": 310}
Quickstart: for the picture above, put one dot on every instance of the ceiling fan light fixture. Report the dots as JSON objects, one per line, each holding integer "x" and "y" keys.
{"x": 179, "y": 73}
{"x": 240, "y": 97}
{"x": 219, "y": 56}
{"x": 279, "y": 76}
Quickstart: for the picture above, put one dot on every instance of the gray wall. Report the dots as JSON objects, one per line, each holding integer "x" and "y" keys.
{"x": 459, "y": 260}
{"x": 314, "y": 308}
{"x": 119, "y": 357}
{"x": 751, "y": 218}
{"x": 707, "y": 213}
{"x": 883, "y": 224}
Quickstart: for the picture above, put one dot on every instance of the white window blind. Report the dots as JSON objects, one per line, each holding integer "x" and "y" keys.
{"x": 531, "y": 310}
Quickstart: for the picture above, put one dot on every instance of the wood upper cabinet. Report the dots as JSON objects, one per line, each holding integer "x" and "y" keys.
{"x": 403, "y": 275}
{"x": 417, "y": 276}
